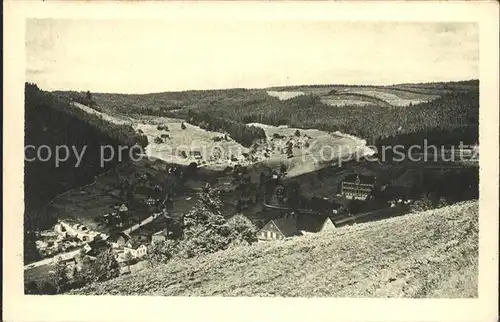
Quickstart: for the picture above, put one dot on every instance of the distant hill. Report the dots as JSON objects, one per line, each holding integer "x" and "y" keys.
{"x": 428, "y": 254}
{"x": 370, "y": 112}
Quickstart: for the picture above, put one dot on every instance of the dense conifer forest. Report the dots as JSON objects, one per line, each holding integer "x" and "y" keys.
{"x": 52, "y": 121}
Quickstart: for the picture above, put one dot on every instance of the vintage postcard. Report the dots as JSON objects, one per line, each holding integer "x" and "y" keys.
{"x": 199, "y": 161}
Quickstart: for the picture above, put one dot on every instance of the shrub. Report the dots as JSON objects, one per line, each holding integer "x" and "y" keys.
{"x": 60, "y": 277}
{"x": 242, "y": 230}
{"x": 421, "y": 205}
{"x": 105, "y": 267}
{"x": 162, "y": 251}
{"x": 205, "y": 229}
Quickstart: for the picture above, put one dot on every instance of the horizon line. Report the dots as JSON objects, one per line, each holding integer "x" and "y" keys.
{"x": 261, "y": 88}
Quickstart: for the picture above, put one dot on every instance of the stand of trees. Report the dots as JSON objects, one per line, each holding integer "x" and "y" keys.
{"x": 85, "y": 98}
{"x": 205, "y": 231}
{"x": 244, "y": 134}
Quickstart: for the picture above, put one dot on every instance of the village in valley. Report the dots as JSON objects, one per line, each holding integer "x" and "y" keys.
{"x": 134, "y": 206}
{"x": 309, "y": 165}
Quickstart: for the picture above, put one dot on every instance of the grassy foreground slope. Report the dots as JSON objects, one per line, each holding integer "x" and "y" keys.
{"x": 429, "y": 254}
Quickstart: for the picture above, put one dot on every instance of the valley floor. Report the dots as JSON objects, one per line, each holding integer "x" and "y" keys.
{"x": 429, "y": 254}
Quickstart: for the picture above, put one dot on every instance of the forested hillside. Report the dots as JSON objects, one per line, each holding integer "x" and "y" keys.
{"x": 447, "y": 113}
{"x": 450, "y": 117}
{"x": 52, "y": 121}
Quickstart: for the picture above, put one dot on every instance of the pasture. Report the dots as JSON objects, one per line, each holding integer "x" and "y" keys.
{"x": 312, "y": 149}
{"x": 191, "y": 139}
{"x": 284, "y": 95}
{"x": 392, "y": 96}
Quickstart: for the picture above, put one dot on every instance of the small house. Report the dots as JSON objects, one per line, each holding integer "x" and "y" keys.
{"x": 123, "y": 208}
{"x": 151, "y": 202}
{"x": 142, "y": 237}
{"x": 195, "y": 154}
{"x": 87, "y": 248}
{"x": 280, "y": 228}
{"x": 159, "y": 236}
{"x": 97, "y": 246}
{"x": 295, "y": 225}
{"x": 119, "y": 239}
{"x": 141, "y": 251}
{"x": 136, "y": 248}
{"x": 59, "y": 228}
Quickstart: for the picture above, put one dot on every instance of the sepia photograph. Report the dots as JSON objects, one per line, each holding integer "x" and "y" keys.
{"x": 252, "y": 158}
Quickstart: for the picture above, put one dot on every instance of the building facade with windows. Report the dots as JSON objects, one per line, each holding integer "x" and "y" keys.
{"x": 358, "y": 187}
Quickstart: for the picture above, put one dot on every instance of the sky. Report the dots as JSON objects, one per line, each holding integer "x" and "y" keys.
{"x": 139, "y": 56}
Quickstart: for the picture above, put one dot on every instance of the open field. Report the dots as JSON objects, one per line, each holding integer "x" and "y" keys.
{"x": 284, "y": 95}
{"x": 193, "y": 138}
{"x": 312, "y": 149}
{"x": 351, "y": 99}
{"x": 429, "y": 254}
{"x": 391, "y": 96}
{"x": 361, "y": 96}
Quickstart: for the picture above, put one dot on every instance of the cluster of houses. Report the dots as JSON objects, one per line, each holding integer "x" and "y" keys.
{"x": 66, "y": 237}
{"x": 115, "y": 217}
{"x": 78, "y": 231}
{"x": 54, "y": 244}
{"x": 127, "y": 247}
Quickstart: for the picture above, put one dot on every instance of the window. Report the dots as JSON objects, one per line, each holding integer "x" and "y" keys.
{"x": 268, "y": 234}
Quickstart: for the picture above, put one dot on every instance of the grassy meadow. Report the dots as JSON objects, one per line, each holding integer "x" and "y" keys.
{"x": 428, "y": 254}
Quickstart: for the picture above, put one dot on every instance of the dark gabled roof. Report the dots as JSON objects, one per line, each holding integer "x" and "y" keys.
{"x": 311, "y": 223}
{"x": 287, "y": 226}
{"x": 114, "y": 237}
{"x": 293, "y": 225}
{"x": 134, "y": 243}
{"x": 98, "y": 243}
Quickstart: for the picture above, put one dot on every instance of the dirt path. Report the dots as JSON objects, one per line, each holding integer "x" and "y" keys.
{"x": 105, "y": 116}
